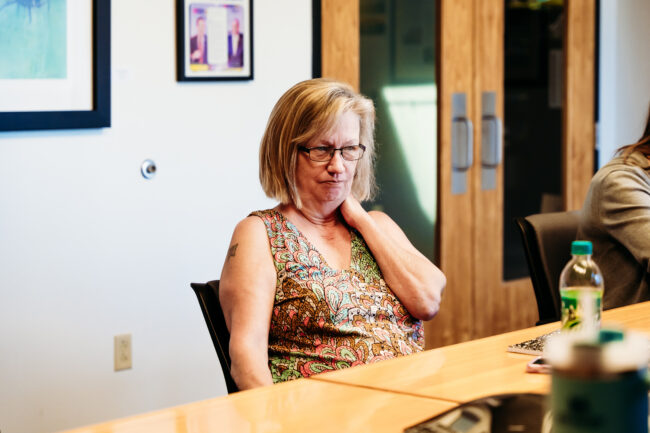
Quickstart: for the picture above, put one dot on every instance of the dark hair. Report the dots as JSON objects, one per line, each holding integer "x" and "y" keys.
{"x": 643, "y": 145}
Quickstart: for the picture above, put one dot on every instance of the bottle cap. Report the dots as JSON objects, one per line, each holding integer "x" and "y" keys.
{"x": 581, "y": 248}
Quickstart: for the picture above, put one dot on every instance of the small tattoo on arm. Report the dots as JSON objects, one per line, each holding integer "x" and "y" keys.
{"x": 232, "y": 251}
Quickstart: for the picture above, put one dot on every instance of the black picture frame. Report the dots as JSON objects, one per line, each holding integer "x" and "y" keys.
{"x": 229, "y": 66}
{"x": 100, "y": 115}
{"x": 316, "y": 39}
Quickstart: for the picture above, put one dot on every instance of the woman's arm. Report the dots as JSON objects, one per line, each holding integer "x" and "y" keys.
{"x": 624, "y": 211}
{"x": 246, "y": 292}
{"x": 416, "y": 281}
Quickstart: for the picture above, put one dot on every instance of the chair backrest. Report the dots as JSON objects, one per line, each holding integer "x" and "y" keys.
{"x": 547, "y": 241}
{"x": 208, "y": 296}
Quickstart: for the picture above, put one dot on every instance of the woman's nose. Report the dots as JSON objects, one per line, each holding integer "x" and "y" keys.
{"x": 337, "y": 163}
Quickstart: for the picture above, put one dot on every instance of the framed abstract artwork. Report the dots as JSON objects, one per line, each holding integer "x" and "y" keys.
{"x": 54, "y": 64}
{"x": 214, "y": 40}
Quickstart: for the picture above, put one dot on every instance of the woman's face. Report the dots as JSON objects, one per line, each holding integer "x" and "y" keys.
{"x": 327, "y": 184}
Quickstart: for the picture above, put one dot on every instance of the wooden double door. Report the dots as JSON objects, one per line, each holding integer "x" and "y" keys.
{"x": 469, "y": 234}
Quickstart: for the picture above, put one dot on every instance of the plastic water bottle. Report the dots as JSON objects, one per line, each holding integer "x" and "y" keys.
{"x": 581, "y": 290}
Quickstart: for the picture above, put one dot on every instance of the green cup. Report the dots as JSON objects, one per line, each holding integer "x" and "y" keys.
{"x": 599, "y": 385}
{"x": 609, "y": 404}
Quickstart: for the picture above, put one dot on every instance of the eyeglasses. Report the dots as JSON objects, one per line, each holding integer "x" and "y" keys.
{"x": 326, "y": 153}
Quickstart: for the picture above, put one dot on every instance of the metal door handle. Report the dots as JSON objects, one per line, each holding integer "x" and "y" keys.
{"x": 462, "y": 143}
{"x": 491, "y": 140}
{"x": 491, "y": 137}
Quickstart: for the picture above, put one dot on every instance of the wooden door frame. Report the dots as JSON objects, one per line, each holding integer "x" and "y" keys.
{"x": 337, "y": 40}
{"x": 454, "y": 322}
{"x": 579, "y": 137}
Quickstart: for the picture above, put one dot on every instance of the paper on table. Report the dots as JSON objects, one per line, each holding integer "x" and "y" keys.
{"x": 531, "y": 347}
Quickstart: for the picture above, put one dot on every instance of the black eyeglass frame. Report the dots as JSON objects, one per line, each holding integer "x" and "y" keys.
{"x": 333, "y": 150}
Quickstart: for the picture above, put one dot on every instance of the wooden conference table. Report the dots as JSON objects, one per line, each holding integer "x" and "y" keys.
{"x": 384, "y": 397}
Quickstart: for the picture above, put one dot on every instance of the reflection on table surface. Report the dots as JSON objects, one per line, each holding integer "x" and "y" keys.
{"x": 298, "y": 406}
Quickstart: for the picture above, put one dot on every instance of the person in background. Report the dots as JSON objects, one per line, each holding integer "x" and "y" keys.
{"x": 235, "y": 46}
{"x": 199, "y": 43}
{"x": 616, "y": 219}
{"x": 317, "y": 283}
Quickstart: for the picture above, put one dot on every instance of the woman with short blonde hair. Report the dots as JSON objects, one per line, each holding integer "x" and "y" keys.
{"x": 303, "y": 112}
{"x": 317, "y": 283}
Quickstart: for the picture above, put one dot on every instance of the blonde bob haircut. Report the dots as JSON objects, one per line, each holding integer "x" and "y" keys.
{"x": 306, "y": 111}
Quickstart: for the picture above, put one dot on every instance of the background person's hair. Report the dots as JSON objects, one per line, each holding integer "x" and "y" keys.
{"x": 304, "y": 112}
{"x": 643, "y": 145}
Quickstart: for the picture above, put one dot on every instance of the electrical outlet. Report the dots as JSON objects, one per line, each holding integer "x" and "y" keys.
{"x": 122, "y": 352}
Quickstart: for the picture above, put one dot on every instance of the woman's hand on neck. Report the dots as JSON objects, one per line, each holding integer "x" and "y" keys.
{"x": 353, "y": 213}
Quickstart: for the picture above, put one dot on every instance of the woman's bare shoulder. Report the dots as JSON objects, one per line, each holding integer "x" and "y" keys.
{"x": 251, "y": 224}
{"x": 250, "y": 234}
{"x": 248, "y": 276}
{"x": 249, "y": 249}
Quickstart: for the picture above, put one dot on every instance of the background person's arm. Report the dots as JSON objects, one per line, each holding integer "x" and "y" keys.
{"x": 624, "y": 211}
{"x": 246, "y": 292}
{"x": 416, "y": 281}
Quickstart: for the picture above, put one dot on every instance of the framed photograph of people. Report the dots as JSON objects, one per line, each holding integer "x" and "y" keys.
{"x": 214, "y": 40}
{"x": 54, "y": 64}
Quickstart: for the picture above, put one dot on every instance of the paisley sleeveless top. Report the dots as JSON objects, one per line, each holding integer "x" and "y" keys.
{"x": 327, "y": 319}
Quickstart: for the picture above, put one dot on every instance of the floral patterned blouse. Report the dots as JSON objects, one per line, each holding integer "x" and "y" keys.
{"x": 327, "y": 319}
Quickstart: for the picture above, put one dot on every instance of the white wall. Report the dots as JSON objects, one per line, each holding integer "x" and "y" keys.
{"x": 89, "y": 249}
{"x": 624, "y": 73}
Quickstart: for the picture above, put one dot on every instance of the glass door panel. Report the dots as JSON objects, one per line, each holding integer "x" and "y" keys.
{"x": 397, "y": 70}
{"x": 533, "y": 96}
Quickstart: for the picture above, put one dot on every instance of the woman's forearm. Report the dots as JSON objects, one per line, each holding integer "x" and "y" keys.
{"x": 416, "y": 281}
{"x": 249, "y": 367}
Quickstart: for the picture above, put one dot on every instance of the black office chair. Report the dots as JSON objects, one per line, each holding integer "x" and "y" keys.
{"x": 208, "y": 296}
{"x": 547, "y": 241}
